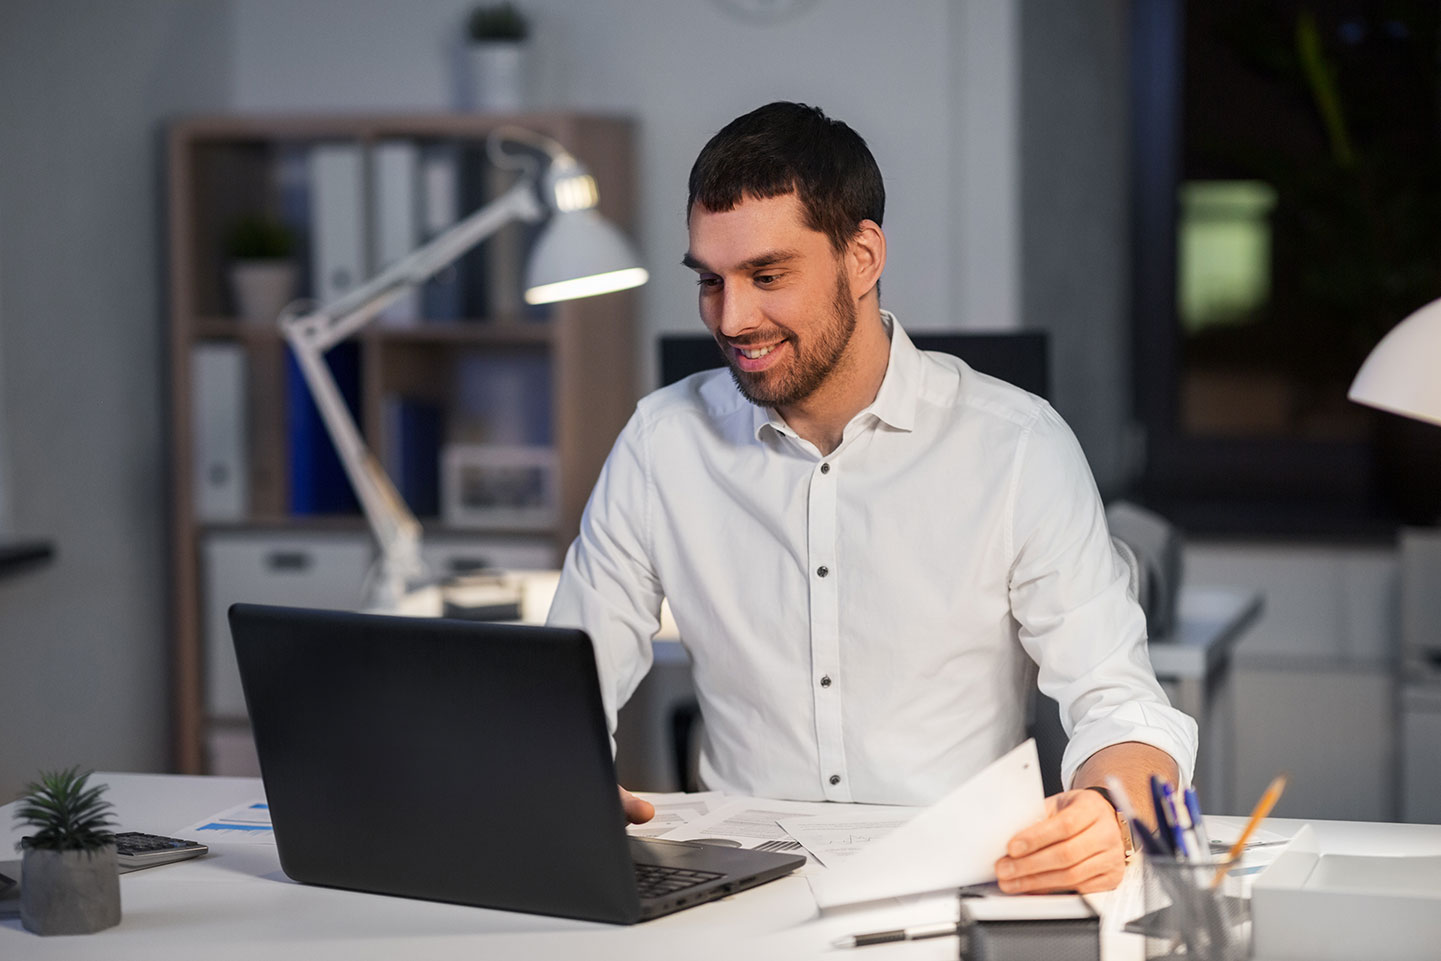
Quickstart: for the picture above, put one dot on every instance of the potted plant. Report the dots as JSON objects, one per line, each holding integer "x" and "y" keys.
{"x": 497, "y": 56}
{"x": 69, "y": 881}
{"x": 262, "y": 267}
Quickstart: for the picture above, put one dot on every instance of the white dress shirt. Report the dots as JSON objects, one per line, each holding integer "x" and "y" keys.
{"x": 861, "y": 624}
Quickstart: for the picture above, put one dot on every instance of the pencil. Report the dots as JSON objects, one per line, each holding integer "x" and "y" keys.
{"x": 1263, "y": 808}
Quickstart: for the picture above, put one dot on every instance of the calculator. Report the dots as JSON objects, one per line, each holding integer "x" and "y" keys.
{"x": 134, "y": 850}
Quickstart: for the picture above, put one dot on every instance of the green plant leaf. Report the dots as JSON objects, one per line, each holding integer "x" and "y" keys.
{"x": 67, "y": 813}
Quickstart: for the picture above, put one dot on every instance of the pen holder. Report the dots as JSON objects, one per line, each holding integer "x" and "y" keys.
{"x": 1186, "y": 917}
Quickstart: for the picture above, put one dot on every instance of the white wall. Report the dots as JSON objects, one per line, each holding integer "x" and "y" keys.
{"x": 83, "y": 641}
{"x": 1073, "y": 218}
{"x": 985, "y": 86}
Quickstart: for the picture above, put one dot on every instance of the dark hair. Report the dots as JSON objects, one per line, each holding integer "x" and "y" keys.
{"x": 786, "y": 148}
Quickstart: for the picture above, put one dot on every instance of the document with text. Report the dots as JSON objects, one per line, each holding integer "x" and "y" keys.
{"x": 247, "y": 823}
{"x": 953, "y": 843}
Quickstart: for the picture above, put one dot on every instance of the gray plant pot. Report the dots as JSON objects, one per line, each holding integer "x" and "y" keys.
{"x": 69, "y": 892}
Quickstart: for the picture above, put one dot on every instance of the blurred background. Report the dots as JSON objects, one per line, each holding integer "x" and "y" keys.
{"x": 1212, "y": 209}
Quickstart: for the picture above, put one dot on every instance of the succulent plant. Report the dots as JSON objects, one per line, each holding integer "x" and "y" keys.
{"x": 68, "y": 815}
{"x": 500, "y": 21}
{"x": 260, "y": 237}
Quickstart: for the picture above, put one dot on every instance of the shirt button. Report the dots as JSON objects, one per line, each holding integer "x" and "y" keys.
{"x": 835, "y": 779}
{"x": 825, "y": 468}
{"x": 825, "y": 680}
{"x": 822, "y": 571}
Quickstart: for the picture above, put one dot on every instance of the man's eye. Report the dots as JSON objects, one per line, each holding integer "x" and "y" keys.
{"x": 766, "y": 279}
{"x": 707, "y": 283}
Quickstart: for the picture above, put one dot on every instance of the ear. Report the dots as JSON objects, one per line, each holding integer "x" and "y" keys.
{"x": 866, "y": 258}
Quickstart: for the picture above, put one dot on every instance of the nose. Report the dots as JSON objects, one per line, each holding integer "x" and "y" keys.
{"x": 736, "y": 313}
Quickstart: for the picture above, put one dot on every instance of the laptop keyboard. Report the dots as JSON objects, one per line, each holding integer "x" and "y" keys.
{"x": 656, "y": 881}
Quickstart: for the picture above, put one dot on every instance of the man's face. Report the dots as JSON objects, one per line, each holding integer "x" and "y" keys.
{"x": 775, "y": 296}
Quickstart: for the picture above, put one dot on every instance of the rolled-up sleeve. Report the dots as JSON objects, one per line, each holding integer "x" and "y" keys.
{"x": 608, "y": 586}
{"x": 1076, "y": 619}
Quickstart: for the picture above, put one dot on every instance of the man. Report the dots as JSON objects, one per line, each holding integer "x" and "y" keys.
{"x": 862, "y": 544}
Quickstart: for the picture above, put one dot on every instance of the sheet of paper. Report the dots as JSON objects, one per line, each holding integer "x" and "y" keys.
{"x": 753, "y": 823}
{"x": 953, "y": 843}
{"x": 674, "y": 810}
{"x": 747, "y": 822}
{"x": 835, "y": 835}
{"x": 247, "y": 823}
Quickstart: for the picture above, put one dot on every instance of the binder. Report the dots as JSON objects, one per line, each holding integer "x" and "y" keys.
{"x": 394, "y": 192}
{"x": 318, "y": 484}
{"x": 219, "y": 465}
{"x": 415, "y": 431}
{"x": 440, "y": 208}
{"x": 338, "y": 261}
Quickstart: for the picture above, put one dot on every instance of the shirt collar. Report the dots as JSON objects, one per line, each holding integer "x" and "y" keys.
{"x": 895, "y": 403}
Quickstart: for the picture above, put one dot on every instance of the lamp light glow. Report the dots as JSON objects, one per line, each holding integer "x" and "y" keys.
{"x": 580, "y": 254}
{"x": 587, "y": 286}
{"x": 1401, "y": 373}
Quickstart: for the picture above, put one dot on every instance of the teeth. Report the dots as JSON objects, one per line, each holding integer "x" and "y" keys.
{"x": 757, "y": 354}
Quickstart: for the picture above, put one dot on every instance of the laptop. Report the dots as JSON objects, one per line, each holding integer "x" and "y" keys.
{"x": 458, "y": 761}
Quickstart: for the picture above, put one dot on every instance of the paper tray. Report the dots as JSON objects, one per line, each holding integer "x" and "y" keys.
{"x": 1309, "y": 906}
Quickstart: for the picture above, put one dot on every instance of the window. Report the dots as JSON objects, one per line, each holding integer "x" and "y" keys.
{"x": 1287, "y": 213}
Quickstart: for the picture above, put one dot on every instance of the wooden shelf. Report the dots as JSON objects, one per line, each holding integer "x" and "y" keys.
{"x": 484, "y": 333}
{"x": 575, "y": 363}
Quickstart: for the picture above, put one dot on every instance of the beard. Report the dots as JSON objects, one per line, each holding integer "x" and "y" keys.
{"x": 812, "y": 364}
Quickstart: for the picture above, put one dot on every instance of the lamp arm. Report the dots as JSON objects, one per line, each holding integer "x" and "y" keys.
{"x": 396, "y": 530}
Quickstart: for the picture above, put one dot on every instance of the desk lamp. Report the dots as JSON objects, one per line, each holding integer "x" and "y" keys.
{"x": 578, "y": 254}
{"x": 1401, "y": 373}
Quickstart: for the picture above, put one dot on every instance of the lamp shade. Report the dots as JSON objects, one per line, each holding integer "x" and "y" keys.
{"x": 580, "y": 254}
{"x": 1402, "y": 374}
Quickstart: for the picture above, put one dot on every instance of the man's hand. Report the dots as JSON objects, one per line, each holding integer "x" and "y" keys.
{"x": 639, "y": 810}
{"x": 1078, "y": 847}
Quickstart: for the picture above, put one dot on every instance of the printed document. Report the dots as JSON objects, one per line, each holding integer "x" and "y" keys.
{"x": 674, "y": 810}
{"x": 953, "y": 843}
{"x": 248, "y": 823}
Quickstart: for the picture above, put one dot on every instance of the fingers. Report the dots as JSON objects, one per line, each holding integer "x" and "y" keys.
{"x": 1077, "y": 848}
{"x": 1068, "y": 814}
{"x": 637, "y": 810}
{"x": 1100, "y": 872}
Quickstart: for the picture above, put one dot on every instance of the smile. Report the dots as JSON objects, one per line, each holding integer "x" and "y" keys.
{"x": 753, "y": 360}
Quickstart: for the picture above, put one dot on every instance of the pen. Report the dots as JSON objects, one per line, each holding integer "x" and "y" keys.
{"x": 919, "y": 933}
{"x": 1165, "y": 817}
{"x": 1198, "y": 824}
{"x": 1176, "y": 816}
{"x": 1148, "y": 842}
{"x": 1263, "y": 808}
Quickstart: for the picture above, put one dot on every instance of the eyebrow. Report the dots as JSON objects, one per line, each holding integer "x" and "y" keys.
{"x": 768, "y": 259}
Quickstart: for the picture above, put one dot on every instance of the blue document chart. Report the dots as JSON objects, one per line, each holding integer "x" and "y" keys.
{"x": 248, "y": 823}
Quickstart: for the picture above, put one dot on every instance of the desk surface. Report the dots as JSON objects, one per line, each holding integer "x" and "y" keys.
{"x": 237, "y": 903}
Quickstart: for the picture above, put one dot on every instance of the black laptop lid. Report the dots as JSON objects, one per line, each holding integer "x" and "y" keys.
{"x": 449, "y": 760}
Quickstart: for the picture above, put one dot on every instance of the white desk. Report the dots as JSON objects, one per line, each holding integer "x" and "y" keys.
{"x": 236, "y": 903}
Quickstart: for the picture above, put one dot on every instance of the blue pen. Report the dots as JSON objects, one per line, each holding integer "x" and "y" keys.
{"x": 1198, "y": 826}
{"x": 1177, "y": 823}
{"x": 1165, "y": 817}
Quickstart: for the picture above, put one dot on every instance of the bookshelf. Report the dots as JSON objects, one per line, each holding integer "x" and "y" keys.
{"x": 566, "y": 372}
